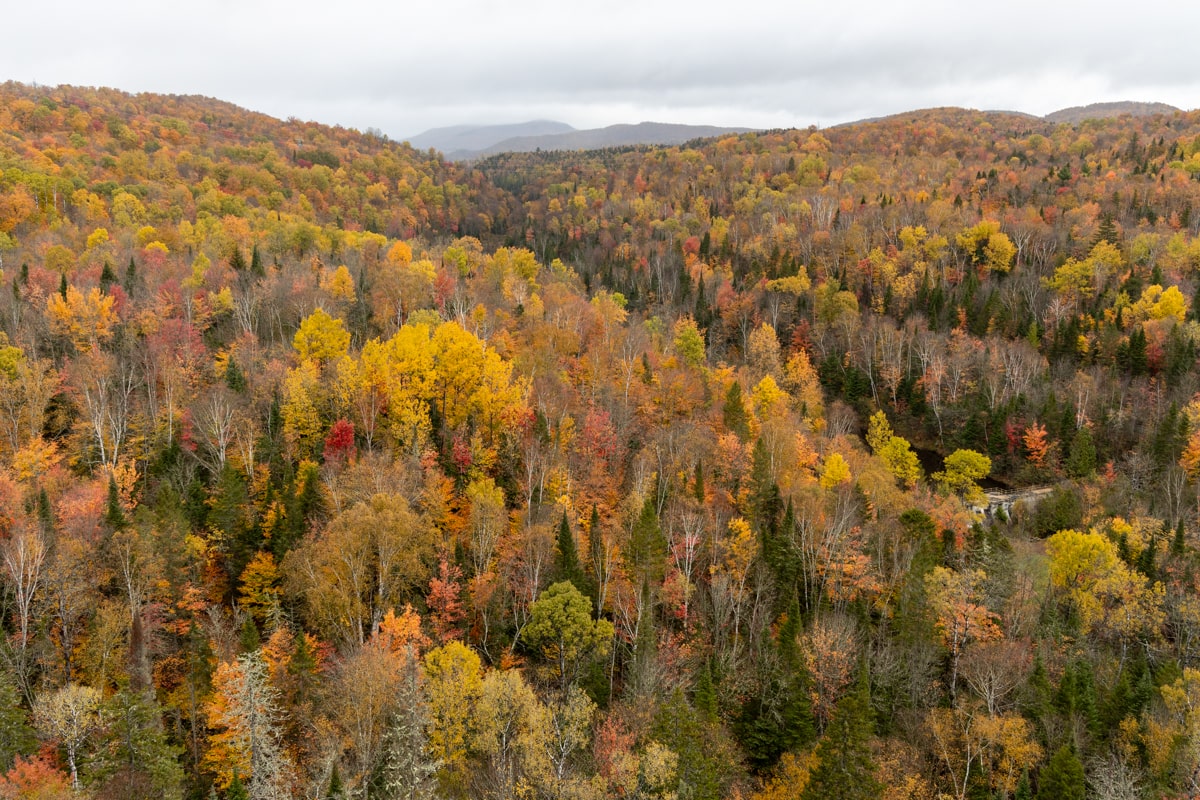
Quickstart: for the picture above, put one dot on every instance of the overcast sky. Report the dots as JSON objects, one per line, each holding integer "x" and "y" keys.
{"x": 407, "y": 65}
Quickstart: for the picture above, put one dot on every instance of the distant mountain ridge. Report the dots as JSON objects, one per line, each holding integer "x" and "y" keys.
{"x": 1104, "y": 110}
{"x": 466, "y": 142}
{"x": 470, "y": 138}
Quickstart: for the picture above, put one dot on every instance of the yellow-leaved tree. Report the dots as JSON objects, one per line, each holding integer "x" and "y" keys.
{"x": 87, "y": 320}
{"x": 1106, "y": 595}
{"x": 454, "y": 682}
{"x": 321, "y": 338}
{"x": 895, "y": 451}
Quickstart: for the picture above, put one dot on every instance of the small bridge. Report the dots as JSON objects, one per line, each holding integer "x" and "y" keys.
{"x": 1005, "y": 499}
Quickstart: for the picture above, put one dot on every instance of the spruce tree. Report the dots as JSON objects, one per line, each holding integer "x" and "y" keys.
{"x": 778, "y": 718}
{"x": 114, "y": 515}
{"x": 107, "y": 277}
{"x": 734, "y": 414}
{"x": 566, "y": 559}
{"x": 1147, "y": 560}
{"x": 131, "y": 276}
{"x": 16, "y": 737}
{"x": 302, "y": 667}
{"x": 137, "y": 759}
{"x": 681, "y": 728}
{"x": 1023, "y": 791}
{"x": 228, "y": 513}
{"x": 844, "y": 769}
{"x": 237, "y": 260}
{"x": 248, "y": 638}
{"x": 336, "y": 790}
{"x": 256, "y": 265}
{"x": 647, "y": 546}
{"x": 237, "y": 789}
{"x": 705, "y": 695}
{"x": 235, "y": 379}
{"x": 45, "y": 514}
{"x": 1062, "y": 778}
{"x": 1081, "y": 461}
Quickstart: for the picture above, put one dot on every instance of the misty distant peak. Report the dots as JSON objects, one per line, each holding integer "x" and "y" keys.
{"x": 457, "y": 138}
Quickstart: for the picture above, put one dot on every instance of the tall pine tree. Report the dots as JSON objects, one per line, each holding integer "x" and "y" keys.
{"x": 844, "y": 768}
{"x": 566, "y": 558}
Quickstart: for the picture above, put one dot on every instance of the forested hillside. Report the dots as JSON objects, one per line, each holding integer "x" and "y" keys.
{"x": 329, "y": 469}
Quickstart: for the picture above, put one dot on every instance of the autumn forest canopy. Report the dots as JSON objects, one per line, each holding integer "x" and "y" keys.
{"x": 332, "y": 469}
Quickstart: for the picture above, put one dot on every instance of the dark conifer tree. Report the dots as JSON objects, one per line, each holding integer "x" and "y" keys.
{"x": 256, "y": 264}
{"x": 114, "y": 514}
{"x": 566, "y": 564}
{"x": 845, "y": 770}
{"x": 734, "y": 412}
{"x": 1062, "y": 778}
{"x": 107, "y": 277}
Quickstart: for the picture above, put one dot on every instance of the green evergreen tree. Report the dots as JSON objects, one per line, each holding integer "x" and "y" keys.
{"x": 137, "y": 760}
{"x": 681, "y": 728}
{"x": 16, "y": 737}
{"x": 1038, "y": 695}
{"x": 237, "y": 789}
{"x": 256, "y": 264}
{"x": 235, "y": 379}
{"x": 734, "y": 412}
{"x": 335, "y": 791}
{"x": 1106, "y": 231}
{"x": 107, "y": 277}
{"x": 698, "y": 482}
{"x": 45, "y": 513}
{"x": 705, "y": 695}
{"x": 1147, "y": 560}
{"x": 1138, "y": 357}
{"x": 647, "y": 545}
{"x": 844, "y": 769}
{"x": 1062, "y": 778}
{"x": 114, "y": 515}
{"x": 305, "y": 503}
{"x": 228, "y": 514}
{"x": 596, "y": 558}
{"x": 131, "y": 276}
{"x": 702, "y": 311}
{"x": 566, "y": 558}
{"x": 1179, "y": 542}
{"x": 249, "y": 638}
{"x": 236, "y": 259}
{"x": 766, "y": 504}
{"x": 1023, "y": 792}
{"x": 1081, "y": 461}
{"x": 62, "y": 286}
{"x": 1077, "y": 695}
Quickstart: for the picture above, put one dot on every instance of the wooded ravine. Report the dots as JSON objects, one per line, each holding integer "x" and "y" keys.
{"x": 333, "y": 469}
